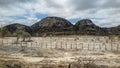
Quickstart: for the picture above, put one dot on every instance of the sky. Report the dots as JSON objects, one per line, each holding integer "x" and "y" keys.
{"x": 104, "y": 13}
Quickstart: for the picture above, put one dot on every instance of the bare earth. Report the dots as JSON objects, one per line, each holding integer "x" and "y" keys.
{"x": 61, "y": 50}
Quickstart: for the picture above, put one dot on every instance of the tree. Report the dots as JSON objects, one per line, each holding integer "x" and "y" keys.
{"x": 22, "y": 34}
{"x": 4, "y": 31}
{"x": 119, "y": 37}
{"x": 18, "y": 34}
{"x": 112, "y": 40}
{"x": 26, "y": 35}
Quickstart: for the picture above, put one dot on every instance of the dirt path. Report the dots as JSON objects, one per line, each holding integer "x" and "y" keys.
{"x": 64, "y": 58}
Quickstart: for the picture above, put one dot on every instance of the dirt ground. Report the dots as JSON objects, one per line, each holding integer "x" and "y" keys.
{"x": 99, "y": 50}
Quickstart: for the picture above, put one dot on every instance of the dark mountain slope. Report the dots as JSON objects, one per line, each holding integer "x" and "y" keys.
{"x": 13, "y": 27}
{"x": 114, "y": 30}
{"x": 52, "y": 24}
{"x": 86, "y": 26}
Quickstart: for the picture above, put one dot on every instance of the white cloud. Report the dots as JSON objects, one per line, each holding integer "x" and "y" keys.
{"x": 105, "y": 10}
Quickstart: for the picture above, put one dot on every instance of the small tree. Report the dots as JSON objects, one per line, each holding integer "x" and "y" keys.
{"x": 26, "y": 35}
{"x": 118, "y": 37}
{"x": 112, "y": 39}
{"x": 4, "y": 31}
{"x": 18, "y": 34}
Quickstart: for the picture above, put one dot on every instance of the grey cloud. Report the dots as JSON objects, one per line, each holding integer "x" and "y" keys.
{"x": 91, "y": 4}
{"x": 51, "y": 3}
{"x": 111, "y": 4}
{"x": 13, "y": 1}
{"x": 83, "y": 4}
{"x": 7, "y": 3}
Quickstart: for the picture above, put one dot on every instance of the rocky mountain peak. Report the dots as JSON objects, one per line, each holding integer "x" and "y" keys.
{"x": 84, "y": 22}
{"x": 53, "y": 23}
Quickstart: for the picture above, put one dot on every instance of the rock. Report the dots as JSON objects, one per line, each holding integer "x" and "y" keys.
{"x": 86, "y": 26}
{"x": 52, "y": 24}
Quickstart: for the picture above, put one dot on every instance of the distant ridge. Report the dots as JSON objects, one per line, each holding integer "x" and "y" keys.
{"x": 60, "y": 26}
{"x": 86, "y": 26}
{"x": 16, "y": 26}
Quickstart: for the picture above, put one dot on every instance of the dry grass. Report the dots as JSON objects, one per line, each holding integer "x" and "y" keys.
{"x": 62, "y": 52}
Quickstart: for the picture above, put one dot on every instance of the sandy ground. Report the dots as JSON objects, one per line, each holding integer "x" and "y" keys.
{"x": 49, "y": 50}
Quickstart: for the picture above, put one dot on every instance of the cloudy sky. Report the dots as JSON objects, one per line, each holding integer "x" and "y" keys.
{"x": 105, "y": 13}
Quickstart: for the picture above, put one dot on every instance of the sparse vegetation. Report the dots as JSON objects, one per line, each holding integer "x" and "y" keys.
{"x": 4, "y": 31}
{"x": 119, "y": 37}
{"x": 22, "y": 34}
{"x": 25, "y": 36}
{"x": 61, "y": 51}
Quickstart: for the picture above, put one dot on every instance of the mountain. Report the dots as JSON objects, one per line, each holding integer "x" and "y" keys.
{"x": 52, "y": 24}
{"x": 86, "y": 26}
{"x": 60, "y": 26}
{"x": 13, "y": 27}
{"x": 114, "y": 30}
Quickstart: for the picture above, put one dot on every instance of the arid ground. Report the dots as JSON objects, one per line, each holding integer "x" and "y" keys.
{"x": 60, "y": 52}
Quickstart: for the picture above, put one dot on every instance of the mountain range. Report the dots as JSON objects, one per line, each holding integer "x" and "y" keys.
{"x": 59, "y": 26}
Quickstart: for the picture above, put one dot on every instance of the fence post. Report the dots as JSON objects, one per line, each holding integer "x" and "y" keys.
{"x": 31, "y": 44}
{"x": 93, "y": 46}
{"x": 55, "y": 45}
{"x": 41, "y": 44}
{"x": 88, "y": 46}
{"x": 99, "y": 47}
{"x": 70, "y": 46}
{"x": 51, "y": 45}
{"x": 105, "y": 46}
{"x": 76, "y": 45}
{"x": 46, "y": 45}
{"x": 7, "y": 42}
{"x": 36, "y": 44}
{"x": 61, "y": 44}
{"x": 82, "y": 46}
{"x": 117, "y": 47}
{"x": 2, "y": 44}
{"x": 66, "y": 45}
{"x": 21, "y": 44}
{"x": 12, "y": 43}
{"x": 26, "y": 45}
{"x": 111, "y": 46}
